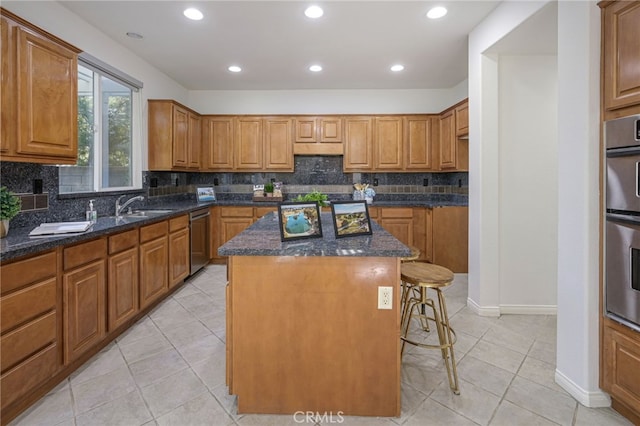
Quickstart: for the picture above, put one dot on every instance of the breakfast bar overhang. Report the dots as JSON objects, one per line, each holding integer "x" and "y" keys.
{"x": 304, "y": 332}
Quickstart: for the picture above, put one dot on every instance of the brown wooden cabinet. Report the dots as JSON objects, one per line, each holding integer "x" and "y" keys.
{"x": 388, "y": 143}
{"x": 154, "y": 270}
{"x": 419, "y": 142}
{"x": 358, "y": 143}
{"x": 454, "y": 151}
{"x": 175, "y": 137}
{"x": 84, "y": 289}
{"x": 38, "y": 71}
{"x": 318, "y": 135}
{"x": 179, "y": 250}
{"x": 450, "y": 235}
{"x": 263, "y": 143}
{"x": 29, "y": 324}
{"x": 398, "y": 221}
{"x": 217, "y": 143}
{"x": 123, "y": 300}
{"x": 621, "y": 53}
{"x": 462, "y": 119}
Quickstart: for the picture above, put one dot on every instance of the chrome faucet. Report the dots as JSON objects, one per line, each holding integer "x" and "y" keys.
{"x": 120, "y": 208}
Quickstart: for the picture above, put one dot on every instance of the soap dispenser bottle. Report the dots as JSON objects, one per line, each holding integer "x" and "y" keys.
{"x": 92, "y": 214}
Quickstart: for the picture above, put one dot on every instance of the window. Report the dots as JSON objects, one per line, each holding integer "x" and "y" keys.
{"x": 108, "y": 132}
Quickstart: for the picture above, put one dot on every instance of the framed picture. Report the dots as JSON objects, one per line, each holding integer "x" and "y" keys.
{"x": 299, "y": 220}
{"x": 205, "y": 193}
{"x": 350, "y": 218}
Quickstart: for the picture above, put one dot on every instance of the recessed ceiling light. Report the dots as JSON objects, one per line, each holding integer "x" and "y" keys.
{"x": 397, "y": 67}
{"x": 193, "y": 13}
{"x": 313, "y": 12}
{"x": 436, "y": 12}
{"x": 234, "y": 68}
{"x": 315, "y": 68}
{"x": 134, "y": 35}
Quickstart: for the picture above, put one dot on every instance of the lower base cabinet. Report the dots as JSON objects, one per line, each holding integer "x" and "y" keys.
{"x": 84, "y": 291}
{"x": 179, "y": 250}
{"x": 450, "y": 237}
{"x": 620, "y": 372}
{"x": 154, "y": 269}
{"x": 123, "y": 285}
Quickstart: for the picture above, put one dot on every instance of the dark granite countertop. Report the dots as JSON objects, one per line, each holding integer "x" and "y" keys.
{"x": 18, "y": 243}
{"x": 263, "y": 239}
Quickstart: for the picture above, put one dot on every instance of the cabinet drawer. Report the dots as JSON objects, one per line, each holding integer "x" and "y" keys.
{"x": 261, "y": 211}
{"x": 178, "y": 223}
{"x": 236, "y": 212}
{"x": 27, "y": 375}
{"x": 396, "y": 213}
{"x": 19, "y": 274}
{"x": 23, "y": 305}
{"x": 123, "y": 241}
{"x": 151, "y": 232}
{"x": 27, "y": 340}
{"x": 84, "y": 253}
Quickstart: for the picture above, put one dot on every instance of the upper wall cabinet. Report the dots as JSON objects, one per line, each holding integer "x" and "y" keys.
{"x": 318, "y": 135}
{"x": 420, "y": 132}
{"x": 263, "y": 143}
{"x": 621, "y": 55}
{"x": 217, "y": 143}
{"x": 39, "y": 98}
{"x": 358, "y": 144}
{"x": 454, "y": 147}
{"x": 175, "y": 137}
{"x": 462, "y": 119}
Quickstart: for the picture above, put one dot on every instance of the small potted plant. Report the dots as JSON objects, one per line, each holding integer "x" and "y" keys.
{"x": 9, "y": 208}
{"x": 268, "y": 189}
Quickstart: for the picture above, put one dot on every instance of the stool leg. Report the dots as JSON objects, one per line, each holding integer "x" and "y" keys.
{"x": 406, "y": 320}
{"x": 446, "y": 340}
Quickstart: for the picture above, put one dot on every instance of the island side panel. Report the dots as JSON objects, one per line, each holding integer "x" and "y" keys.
{"x": 307, "y": 335}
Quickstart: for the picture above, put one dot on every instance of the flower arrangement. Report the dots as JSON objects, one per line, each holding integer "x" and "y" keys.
{"x": 363, "y": 192}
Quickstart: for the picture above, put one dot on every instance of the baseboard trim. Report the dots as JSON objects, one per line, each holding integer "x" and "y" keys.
{"x": 529, "y": 309}
{"x": 589, "y": 399}
{"x": 483, "y": 311}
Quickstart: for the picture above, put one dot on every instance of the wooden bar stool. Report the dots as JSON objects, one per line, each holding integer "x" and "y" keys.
{"x": 415, "y": 254}
{"x": 425, "y": 276}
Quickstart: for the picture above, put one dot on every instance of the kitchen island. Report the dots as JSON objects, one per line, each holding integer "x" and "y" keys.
{"x": 304, "y": 332}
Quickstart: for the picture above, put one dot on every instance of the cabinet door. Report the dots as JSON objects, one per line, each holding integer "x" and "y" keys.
{"x": 278, "y": 146}
{"x": 399, "y": 223}
{"x": 47, "y": 98}
{"x": 330, "y": 129}
{"x": 123, "y": 295}
{"x": 358, "y": 150}
{"x": 154, "y": 271}
{"x": 388, "y": 143}
{"x": 448, "y": 153}
{"x": 462, "y": 119}
{"x": 232, "y": 226}
{"x": 621, "y": 54}
{"x": 248, "y": 144}
{"x": 621, "y": 369}
{"x": 418, "y": 144}
{"x": 305, "y": 130}
{"x": 7, "y": 88}
{"x": 84, "y": 309}
{"x": 180, "y": 137}
{"x": 450, "y": 237}
{"x": 179, "y": 256}
{"x": 217, "y": 135}
{"x": 195, "y": 140}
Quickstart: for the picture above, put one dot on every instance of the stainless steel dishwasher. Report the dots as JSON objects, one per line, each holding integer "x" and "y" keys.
{"x": 200, "y": 237}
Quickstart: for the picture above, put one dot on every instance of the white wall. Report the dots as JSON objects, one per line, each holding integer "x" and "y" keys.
{"x": 325, "y": 101}
{"x": 578, "y": 201}
{"x": 528, "y": 200}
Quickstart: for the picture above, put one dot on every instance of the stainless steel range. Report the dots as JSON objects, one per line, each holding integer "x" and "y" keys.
{"x": 622, "y": 249}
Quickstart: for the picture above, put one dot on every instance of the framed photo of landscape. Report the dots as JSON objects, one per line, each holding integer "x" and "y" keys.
{"x": 299, "y": 220}
{"x": 205, "y": 194}
{"x": 350, "y": 218}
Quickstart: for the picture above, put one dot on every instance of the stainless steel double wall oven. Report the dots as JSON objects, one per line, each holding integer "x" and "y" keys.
{"x": 622, "y": 250}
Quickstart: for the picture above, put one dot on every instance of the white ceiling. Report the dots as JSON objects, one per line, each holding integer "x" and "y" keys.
{"x": 355, "y": 41}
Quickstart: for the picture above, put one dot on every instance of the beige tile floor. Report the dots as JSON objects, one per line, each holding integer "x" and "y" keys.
{"x": 168, "y": 369}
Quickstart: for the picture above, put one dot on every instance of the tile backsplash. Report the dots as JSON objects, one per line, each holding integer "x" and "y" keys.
{"x": 323, "y": 173}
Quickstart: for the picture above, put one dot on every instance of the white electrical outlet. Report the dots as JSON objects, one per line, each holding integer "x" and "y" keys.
{"x": 385, "y": 297}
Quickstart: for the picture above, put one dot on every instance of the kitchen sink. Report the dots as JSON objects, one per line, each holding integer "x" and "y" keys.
{"x": 147, "y": 213}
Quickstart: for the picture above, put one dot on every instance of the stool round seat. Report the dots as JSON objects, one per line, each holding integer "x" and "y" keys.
{"x": 425, "y": 274}
{"x": 415, "y": 254}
